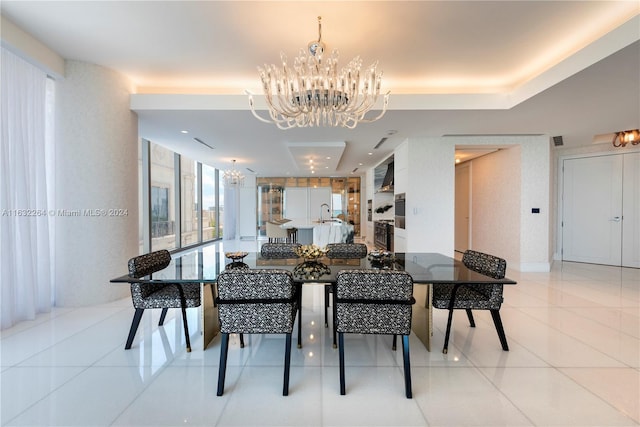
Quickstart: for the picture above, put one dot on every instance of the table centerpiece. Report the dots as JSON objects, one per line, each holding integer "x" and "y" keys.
{"x": 310, "y": 252}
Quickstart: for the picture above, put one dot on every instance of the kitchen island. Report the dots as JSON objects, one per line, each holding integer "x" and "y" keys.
{"x": 322, "y": 233}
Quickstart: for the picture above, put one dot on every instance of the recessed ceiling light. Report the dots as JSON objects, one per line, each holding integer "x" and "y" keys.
{"x": 328, "y": 157}
{"x": 184, "y": 131}
{"x": 359, "y": 164}
{"x": 313, "y": 171}
{"x": 371, "y": 154}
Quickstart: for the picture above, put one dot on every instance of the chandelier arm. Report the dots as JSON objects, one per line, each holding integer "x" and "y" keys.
{"x": 385, "y": 103}
{"x": 274, "y": 118}
{"x": 253, "y": 111}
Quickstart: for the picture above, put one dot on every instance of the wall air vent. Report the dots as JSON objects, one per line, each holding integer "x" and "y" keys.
{"x": 203, "y": 143}
{"x": 382, "y": 141}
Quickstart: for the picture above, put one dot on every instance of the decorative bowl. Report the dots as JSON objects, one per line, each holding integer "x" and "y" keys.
{"x": 378, "y": 255}
{"x": 236, "y": 255}
{"x": 310, "y": 252}
{"x": 382, "y": 259}
{"x": 310, "y": 270}
{"x": 236, "y": 265}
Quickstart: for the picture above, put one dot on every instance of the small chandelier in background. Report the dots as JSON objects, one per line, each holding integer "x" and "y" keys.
{"x": 233, "y": 176}
{"x": 624, "y": 137}
{"x": 315, "y": 92}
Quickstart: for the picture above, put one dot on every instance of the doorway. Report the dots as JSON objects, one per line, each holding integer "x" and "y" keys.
{"x": 462, "y": 207}
{"x": 601, "y": 209}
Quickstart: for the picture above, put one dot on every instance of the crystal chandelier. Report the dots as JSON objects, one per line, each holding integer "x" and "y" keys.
{"x": 233, "y": 176}
{"x": 315, "y": 92}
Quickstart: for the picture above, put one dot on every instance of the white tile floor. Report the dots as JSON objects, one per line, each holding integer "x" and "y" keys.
{"x": 574, "y": 335}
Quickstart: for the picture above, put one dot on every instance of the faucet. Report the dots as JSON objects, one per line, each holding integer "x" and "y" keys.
{"x": 324, "y": 204}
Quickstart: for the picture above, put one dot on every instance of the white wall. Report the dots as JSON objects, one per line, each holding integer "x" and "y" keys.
{"x": 495, "y": 204}
{"x": 535, "y": 229}
{"x": 430, "y": 196}
{"x": 96, "y": 168}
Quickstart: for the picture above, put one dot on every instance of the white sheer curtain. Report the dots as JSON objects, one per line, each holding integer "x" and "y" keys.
{"x": 26, "y": 186}
{"x": 230, "y": 212}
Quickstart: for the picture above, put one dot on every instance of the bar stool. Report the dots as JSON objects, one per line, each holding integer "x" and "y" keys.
{"x": 292, "y": 235}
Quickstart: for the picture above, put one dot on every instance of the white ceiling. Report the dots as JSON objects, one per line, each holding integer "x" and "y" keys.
{"x": 569, "y": 68}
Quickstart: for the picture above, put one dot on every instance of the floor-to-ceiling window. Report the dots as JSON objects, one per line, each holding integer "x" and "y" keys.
{"x": 189, "y": 209}
{"x": 162, "y": 193}
{"x": 209, "y": 204}
{"x": 192, "y": 210}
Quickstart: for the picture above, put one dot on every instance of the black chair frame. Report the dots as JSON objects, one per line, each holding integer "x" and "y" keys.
{"x": 491, "y": 266}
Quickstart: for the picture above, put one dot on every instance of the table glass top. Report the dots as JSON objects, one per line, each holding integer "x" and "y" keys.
{"x": 205, "y": 264}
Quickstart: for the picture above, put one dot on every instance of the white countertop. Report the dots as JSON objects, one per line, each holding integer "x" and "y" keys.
{"x": 304, "y": 223}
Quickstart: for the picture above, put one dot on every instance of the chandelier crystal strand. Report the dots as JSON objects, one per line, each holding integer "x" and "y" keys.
{"x": 315, "y": 92}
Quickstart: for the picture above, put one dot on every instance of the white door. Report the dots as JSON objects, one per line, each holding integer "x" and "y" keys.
{"x": 631, "y": 210}
{"x": 462, "y": 213}
{"x": 592, "y": 210}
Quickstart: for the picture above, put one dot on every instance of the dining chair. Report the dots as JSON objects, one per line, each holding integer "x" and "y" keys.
{"x": 374, "y": 302}
{"x": 340, "y": 251}
{"x": 279, "y": 250}
{"x": 478, "y": 296}
{"x": 154, "y": 295}
{"x": 261, "y": 301}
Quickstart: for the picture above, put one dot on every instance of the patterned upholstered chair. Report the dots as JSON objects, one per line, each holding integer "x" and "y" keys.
{"x": 164, "y": 296}
{"x": 346, "y": 250}
{"x": 340, "y": 251}
{"x": 474, "y": 297}
{"x": 256, "y": 302}
{"x": 279, "y": 250}
{"x": 374, "y": 302}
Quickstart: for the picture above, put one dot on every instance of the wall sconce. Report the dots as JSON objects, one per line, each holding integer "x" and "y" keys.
{"x": 624, "y": 137}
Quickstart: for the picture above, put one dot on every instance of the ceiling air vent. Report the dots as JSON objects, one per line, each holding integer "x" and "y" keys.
{"x": 382, "y": 141}
{"x": 354, "y": 171}
{"x": 203, "y": 143}
{"x": 251, "y": 170}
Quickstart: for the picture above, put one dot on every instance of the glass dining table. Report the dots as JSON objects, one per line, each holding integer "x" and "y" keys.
{"x": 203, "y": 266}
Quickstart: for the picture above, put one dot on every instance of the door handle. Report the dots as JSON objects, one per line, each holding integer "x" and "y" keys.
{"x": 616, "y": 219}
